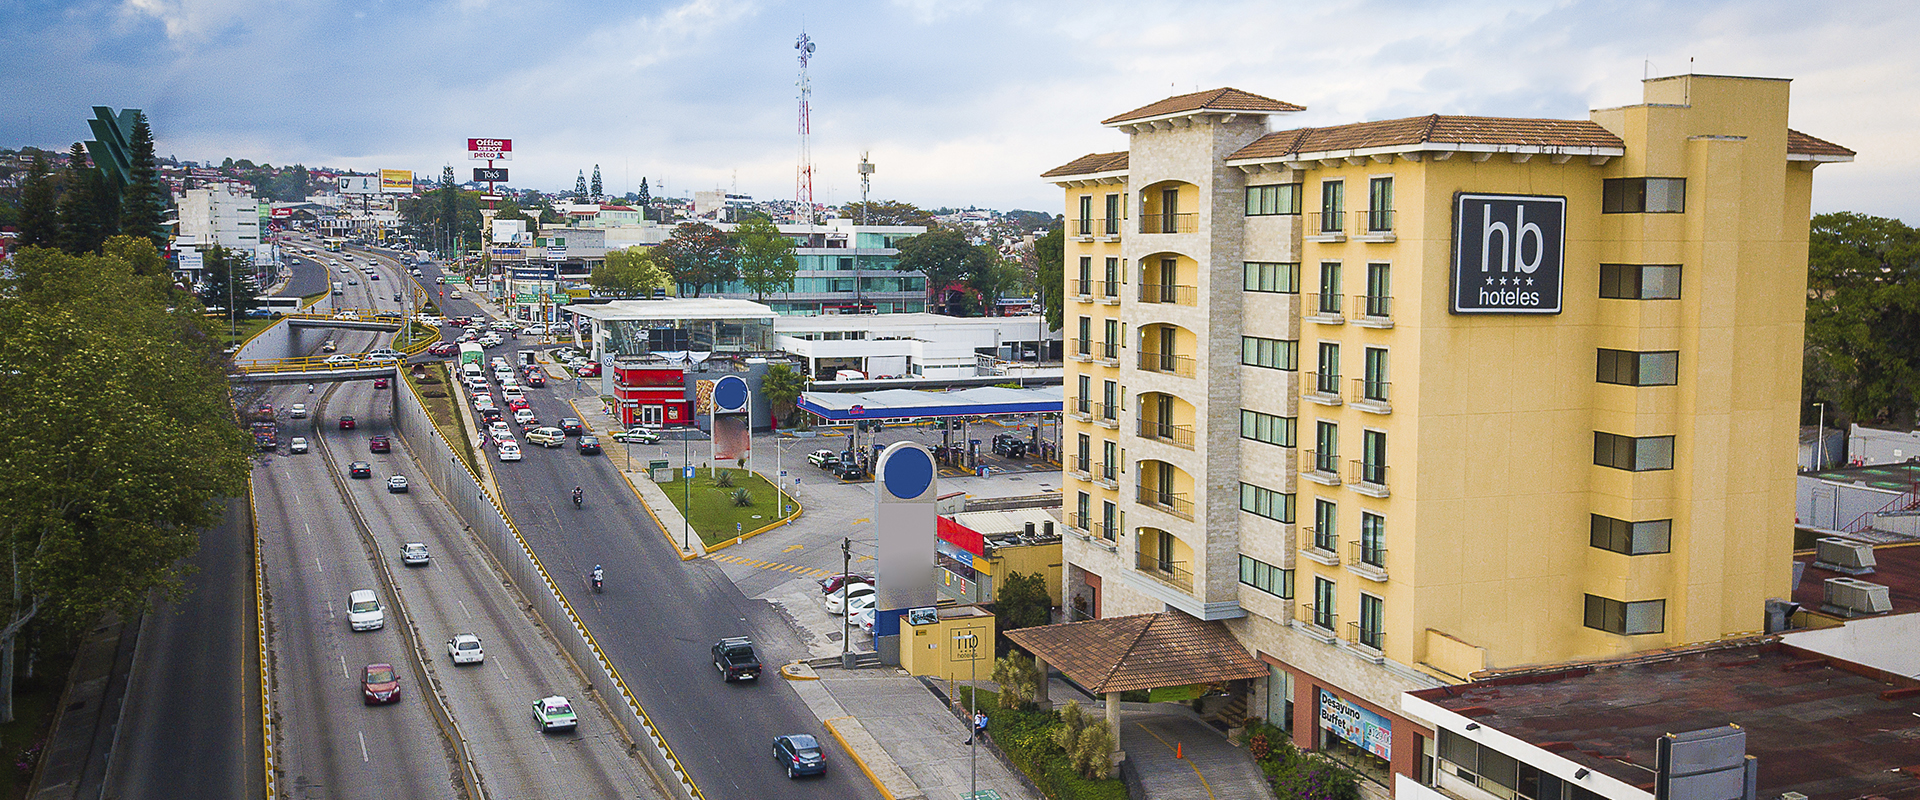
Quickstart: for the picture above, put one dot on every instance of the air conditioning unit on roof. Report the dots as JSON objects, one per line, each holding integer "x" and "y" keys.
{"x": 1844, "y": 556}
{"x": 1852, "y": 597}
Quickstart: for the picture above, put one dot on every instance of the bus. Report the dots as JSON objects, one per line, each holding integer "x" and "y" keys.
{"x": 334, "y": 243}
{"x": 470, "y": 353}
{"x": 278, "y": 307}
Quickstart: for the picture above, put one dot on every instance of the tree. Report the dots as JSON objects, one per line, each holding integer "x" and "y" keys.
{"x": 1019, "y": 678}
{"x": 697, "y": 255}
{"x": 81, "y": 230}
{"x": 1021, "y": 601}
{"x": 227, "y": 282}
{"x": 782, "y": 386}
{"x": 39, "y": 215}
{"x": 999, "y": 278}
{"x": 92, "y": 524}
{"x": 945, "y": 257}
{"x": 628, "y": 273}
{"x": 887, "y": 212}
{"x": 580, "y": 188}
{"x": 1050, "y": 276}
{"x": 765, "y": 257}
{"x": 597, "y": 194}
{"x": 1863, "y": 319}
{"x": 144, "y": 199}
{"x": 646, "y": 196}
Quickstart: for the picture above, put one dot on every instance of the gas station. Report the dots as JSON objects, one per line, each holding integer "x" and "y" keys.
{"x": 960, "y": 411}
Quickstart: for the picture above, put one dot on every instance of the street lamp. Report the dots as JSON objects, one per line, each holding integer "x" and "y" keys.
{"x": 973, "y": 709}
{"x": 1820, "y": 440}
{"x": 686, "y": 495}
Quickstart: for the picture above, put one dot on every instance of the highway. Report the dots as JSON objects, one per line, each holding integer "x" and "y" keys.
{"x": 658, "y": 617}
{"x": 317, "y": 549}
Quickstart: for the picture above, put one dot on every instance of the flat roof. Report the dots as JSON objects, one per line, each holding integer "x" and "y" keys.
{"x": 1897, "y": 566}
{"x": 908, "y": 321}
{"x": 914, "y": 404}
{"x": 1896, "y": 477}
{"x": 672, "y": 308}
{"x": 1822, "y": 727}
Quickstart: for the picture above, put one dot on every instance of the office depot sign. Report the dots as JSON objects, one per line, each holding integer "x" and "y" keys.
{"x": 490, "y": 149}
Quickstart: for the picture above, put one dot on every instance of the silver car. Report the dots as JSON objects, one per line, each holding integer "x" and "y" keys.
{"x": 414, "y": 554}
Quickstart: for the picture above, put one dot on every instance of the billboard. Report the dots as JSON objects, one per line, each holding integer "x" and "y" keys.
{"x": 490, "y": 149}
{"x": 1509, "y": 253}
{"x": 1370, "y": 731}
{"x": 489, "y": 174}
{"x": 534, "y": 274}
{"x": 396, "y": 181}
{"x": 359, "y": 184}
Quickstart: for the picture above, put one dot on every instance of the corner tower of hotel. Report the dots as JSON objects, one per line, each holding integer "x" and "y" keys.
{"x": 1403, "y": 401}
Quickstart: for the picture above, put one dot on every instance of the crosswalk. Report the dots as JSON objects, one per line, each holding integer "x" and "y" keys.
{"x": 811, "y": 572}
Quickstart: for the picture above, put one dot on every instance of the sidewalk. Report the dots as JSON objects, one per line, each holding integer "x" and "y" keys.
{"x": 80, "y": 743}
{"x": 904, "y": 738}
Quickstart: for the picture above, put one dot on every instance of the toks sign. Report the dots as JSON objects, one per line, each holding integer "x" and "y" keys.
{"x": 1509, "y": 253}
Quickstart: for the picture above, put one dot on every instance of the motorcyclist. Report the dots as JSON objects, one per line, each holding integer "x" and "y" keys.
{"x": 578, "y": 496}
{"x": 309, "y": 388}
{"x": 597, "y": 575}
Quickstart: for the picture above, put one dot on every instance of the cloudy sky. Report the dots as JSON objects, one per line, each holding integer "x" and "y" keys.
{"x": 959, "y": 102}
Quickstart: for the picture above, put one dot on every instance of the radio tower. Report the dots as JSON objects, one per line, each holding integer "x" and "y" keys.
{"x": 803, "y": 184}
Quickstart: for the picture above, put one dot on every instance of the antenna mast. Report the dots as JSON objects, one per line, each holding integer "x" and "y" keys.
{"x": 803, "y": 184}
{"x": 866, "y": 171}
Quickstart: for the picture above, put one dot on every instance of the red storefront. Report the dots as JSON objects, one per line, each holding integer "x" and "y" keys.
{"x": 652, "y": 395}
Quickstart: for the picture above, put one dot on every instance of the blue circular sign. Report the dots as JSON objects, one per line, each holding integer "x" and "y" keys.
{"x": 909, "y": 472}
{"x": 730, "y": 394}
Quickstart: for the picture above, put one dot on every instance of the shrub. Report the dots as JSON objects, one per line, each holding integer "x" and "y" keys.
{"x": 723, "y": 479}
{"x": 1018, "y": 679}
{"x": 741, "y": 498}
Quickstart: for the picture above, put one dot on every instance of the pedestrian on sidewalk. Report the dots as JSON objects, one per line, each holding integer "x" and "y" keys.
{"x": 979, "y": 727}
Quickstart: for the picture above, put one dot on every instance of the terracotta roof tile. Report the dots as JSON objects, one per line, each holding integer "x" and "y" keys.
{"x": 1223, "y": 99}
{"x": 1435, "y": 128}
{"x": 1089, "y": 164}
{"x": 1801, "y": 144}
{"x": 1143, "y": 651}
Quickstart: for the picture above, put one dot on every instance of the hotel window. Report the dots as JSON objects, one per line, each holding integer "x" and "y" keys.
{"x": 1372, "y": 622}
{"x": 1323, "y": 599}
{"x": 1271, "y": 276}
{"x": 1086, "y": 336}
{"x": 1633, "y": 368}
{"x": 1326, "y": 376}
{"x": 1112, "y": 288}
{"x": 1276, "y": 506}
{"x": 1110, "y": 520}
{"x": 1379, "y": 290}
{"x": 1272, "y": 199}
{"x": 1333, "y": 205}
{"x": 1640, "y": 281}
{"x": 1266, "y": 577}
{"x": 1082, "y": 510}
{"x": 1380, "y": 204}
{"x": 1109, "y": 459}
{"x": 1112, "y": 227}
{"x": 1643, "y": 196}
{"x": 1630, "y": 619}
{"x": 1086, "y": 275}
{"x": 1110, "y": 349}
{"x": 1326, "y": 525}
{"x": 1643, "y": 454}
{"x": 1329, "y": 287}
{"x": 1632, "y": 538}
{"x": 1083, "y": 402}
{"x": 1373, "y": 457}
{"x": 1373, "y": 539}
{"x": 1083, "y": 455}
{"x": 1110, "y": 400}
{"x": 1274, "y": 430}
{"x": 1086, "y": 215}
{"x": 1374, "y": 385}
{"x": 1270, "y": 353}
{"x": 1326, "y": 451}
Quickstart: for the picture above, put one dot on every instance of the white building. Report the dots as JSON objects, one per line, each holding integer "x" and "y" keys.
{"x": 222, "y": 214}
{"x": 906, "y": 345}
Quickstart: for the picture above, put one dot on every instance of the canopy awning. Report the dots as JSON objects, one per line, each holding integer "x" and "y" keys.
{"x": 1143, "y": 651}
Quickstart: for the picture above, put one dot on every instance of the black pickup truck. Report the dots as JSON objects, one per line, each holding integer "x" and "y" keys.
{"x": 735, "y": 660}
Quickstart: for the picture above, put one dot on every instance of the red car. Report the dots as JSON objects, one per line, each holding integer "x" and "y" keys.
{"x": 380, "y": 444}
{"x": 591, "y": 370}
{"x": 443, "y": 349}
{"x": 516, "y": 403}
{"x": 458, "y": 322}
{"x": 380, "y": 383}
{"x": 346, "y": 423}
{"x": 381, "y": 684}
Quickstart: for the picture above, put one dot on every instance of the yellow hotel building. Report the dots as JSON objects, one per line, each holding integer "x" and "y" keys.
{"x": 1402, "y": 401}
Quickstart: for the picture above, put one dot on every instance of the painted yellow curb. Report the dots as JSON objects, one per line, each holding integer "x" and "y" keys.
{"x": 856, "y": 758}
{"x": 792, "y": 672}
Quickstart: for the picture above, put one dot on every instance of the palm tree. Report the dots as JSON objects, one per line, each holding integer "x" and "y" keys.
{"x": 782, "y": 385}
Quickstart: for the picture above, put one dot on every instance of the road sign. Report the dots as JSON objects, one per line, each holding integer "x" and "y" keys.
{"x": 688, "y": 473}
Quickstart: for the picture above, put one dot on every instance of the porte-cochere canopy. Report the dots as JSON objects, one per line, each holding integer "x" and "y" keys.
{"x": 1143, "y": 651}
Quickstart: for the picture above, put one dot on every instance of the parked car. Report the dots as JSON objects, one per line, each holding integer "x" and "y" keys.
{"x": 297, "y": 445}
{"x": 837, "y": 600}
{"x": 824, "y": 459}
{"x": 414, "y": 554}
{"x": 800, "y": 753}
{"x": 554, "y": 714}
{"x": 364, "y": 612}
{"x": 465, "y": 648}
{"x": 735, "y": 659}
{"x": 1008, "y": 445}
{"x": 588, "y": 370}
{"x": 858, "y": 603}
{"x": 832, "y": 583}
{"x": 380, "y": 683}
{"x": 588, "y": 445}
{"x": 637, "y": 436}
{"x": 509, "y": 451}
{"x": 359, "y": 469}
{"x": 397, "y": 484}
{"x": 379, "y": 444}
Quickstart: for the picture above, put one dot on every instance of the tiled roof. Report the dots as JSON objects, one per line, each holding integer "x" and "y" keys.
{"x": 1223, "y": 99}
{"x": 1089, "y": 164}
{"x": 1144, "y": 651}
{"x": 1801, "y": 144}
{"x": 1432, "y": 128}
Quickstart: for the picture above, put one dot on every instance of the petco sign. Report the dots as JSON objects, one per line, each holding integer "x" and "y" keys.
{"x": 1509, "y": 253}
{"x": 490, "y": 149}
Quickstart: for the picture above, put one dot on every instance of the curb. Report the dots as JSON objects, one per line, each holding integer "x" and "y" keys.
{"x": 862, "y": 731}
{"x": 799, "y": 671}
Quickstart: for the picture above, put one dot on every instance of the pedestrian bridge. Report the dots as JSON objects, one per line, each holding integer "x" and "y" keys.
{"x": 313, "y": 369}
{"x": 359, "y": 319}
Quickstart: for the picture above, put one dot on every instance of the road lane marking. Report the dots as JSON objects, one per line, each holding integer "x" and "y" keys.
{"x": 363, "y": 747}
{"x": 463, "y": 609}
{"x": 792, "y": 547}
{"x": 343, "y": 668}
{"x": 316, "y": 565}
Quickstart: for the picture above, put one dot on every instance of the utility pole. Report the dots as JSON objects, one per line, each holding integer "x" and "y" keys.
{"x": 846, "y": 633}
{"x": 686, "y": 495}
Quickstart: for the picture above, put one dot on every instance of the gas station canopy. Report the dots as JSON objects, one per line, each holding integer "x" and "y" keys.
{"x": 910, "y": 404}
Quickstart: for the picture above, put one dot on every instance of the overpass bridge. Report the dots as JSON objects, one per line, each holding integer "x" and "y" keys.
{"x": 359, "y": 319}
{"x": 314, "y": 369}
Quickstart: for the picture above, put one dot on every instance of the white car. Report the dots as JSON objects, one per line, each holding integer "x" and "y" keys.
{"x": 414, "y": 554}
{"x": 343, "y": 359}
{"x": 491, "y": 340}
{"x": 509, "y": 451}
{"x": 482, "y": 402}
{"x": 860, "y": 603}
{"x": 297, "y": 411}
{"x": 836, "y": 600}
{"x": 364, "y": 612}
{"x": 499, "y": 430}
{"x": 522, "y": 416}
{"x": 555, "y": 714}
{"x": 465, "y": 649}
{"x": 297, "y": 445}
{"x": 508, "y": 389}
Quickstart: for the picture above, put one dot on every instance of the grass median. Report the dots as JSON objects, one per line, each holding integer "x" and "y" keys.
{"x": 436, "y": 393}
{"x": 712, "y": 509}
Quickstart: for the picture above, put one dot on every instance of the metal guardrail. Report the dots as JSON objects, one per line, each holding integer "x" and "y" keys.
{"x": 260, "y": 637}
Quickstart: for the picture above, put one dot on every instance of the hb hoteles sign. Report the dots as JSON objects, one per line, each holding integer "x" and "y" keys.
{"x": 1509, "y": 253}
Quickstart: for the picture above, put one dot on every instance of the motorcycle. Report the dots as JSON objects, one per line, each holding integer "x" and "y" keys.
{"x": 578, "y": 499}
{"x": 595, "y": 580}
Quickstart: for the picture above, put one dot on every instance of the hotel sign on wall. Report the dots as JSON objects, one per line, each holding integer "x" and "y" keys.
{"x": 1509, "y": 253}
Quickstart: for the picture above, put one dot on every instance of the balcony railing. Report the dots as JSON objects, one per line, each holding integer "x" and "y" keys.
{"x": 1374, "y": 220}
{"x": 1325, "y": 223}
{"x": 1082, "y": 464}
{"x": 1083, "y": 406}
{"x": 1310, "y": 614}
{"x": 1106, "y": 411}
{"x": 1169, "y": 223}
{"x": 1372, "y": 554}
{"x": 1109, "y": 472}
{"x": 1110, "y": 289}
{"x": 1079, "y": 521}
{"x": 1168, "y": 363}
{"x": 1326, "y": 382}
{"x": 1170, "y": 571}
{"x": 1175, "y": 293}
{"x": 1101, "y": 530}
{"x": 1366, "y": 636}
{"x": 1374, "y": 306}
{"x": 1367, "y": 390}
{"x": 1326, "y": 305}
{"x": 1321, "y": 537}
{"x": 1083, "y": 347}
{"x": 1084, "y": 226}
{"x": 1176, "y": 435}
{"x": 1366, "y": 472}
{"x": 1110, "y": 226}
{"x": 1084, "y": 288}
{"x": 1171, "y": 502}
{"x": 1109, "y": 351}
{"x": 1323, "y": 461}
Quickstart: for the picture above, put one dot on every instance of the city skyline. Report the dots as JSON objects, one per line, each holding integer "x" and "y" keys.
{"x": 955, "y": 103}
